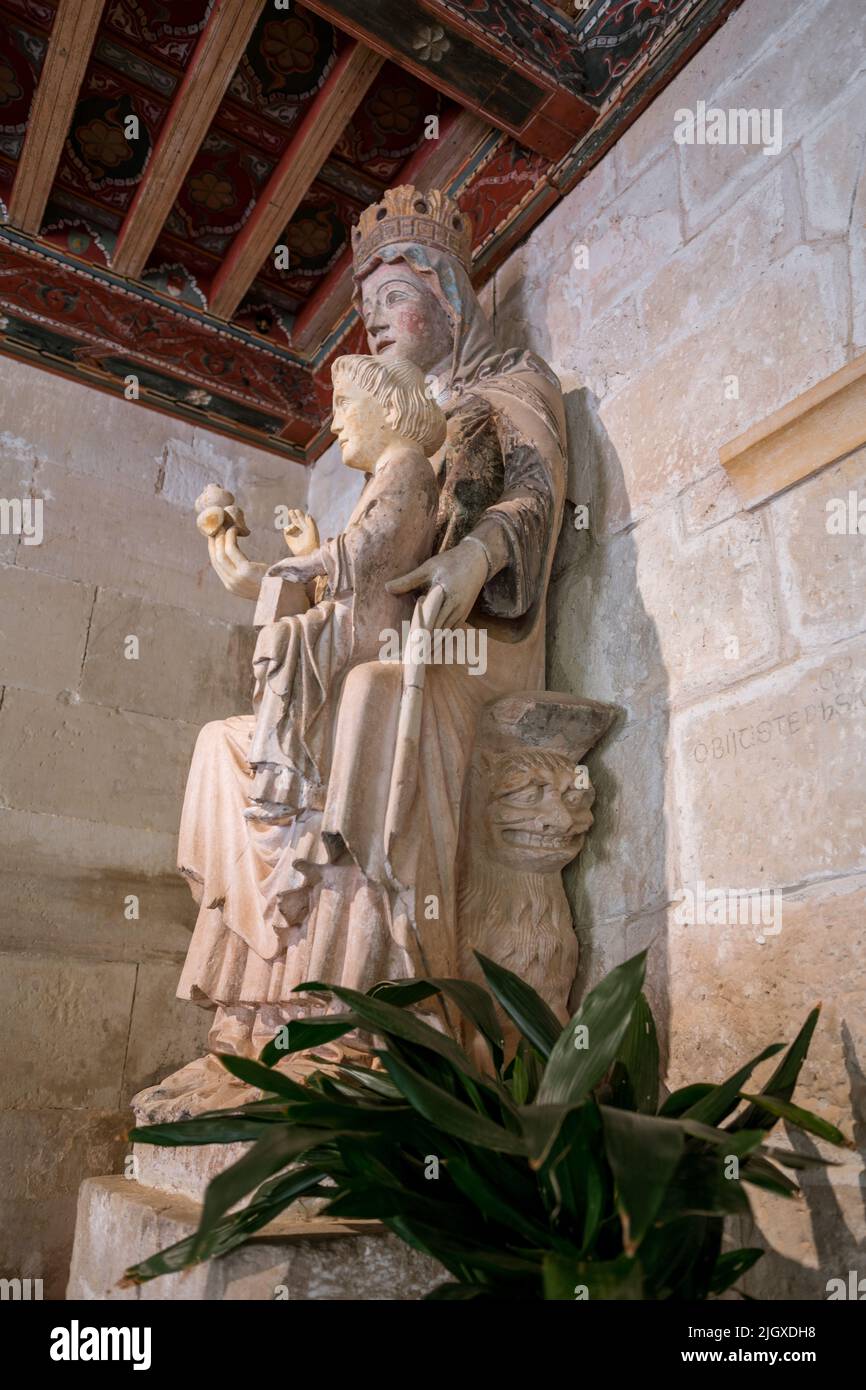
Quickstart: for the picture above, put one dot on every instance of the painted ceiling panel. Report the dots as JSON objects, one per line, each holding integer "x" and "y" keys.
{"x": 506, "y": 103}
{"x": 24, "y": 31}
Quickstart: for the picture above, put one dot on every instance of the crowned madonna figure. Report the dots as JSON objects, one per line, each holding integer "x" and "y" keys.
{"x": 352, "y": 877}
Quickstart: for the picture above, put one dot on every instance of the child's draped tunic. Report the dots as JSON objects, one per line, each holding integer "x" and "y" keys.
{"x": 252, "y": 941}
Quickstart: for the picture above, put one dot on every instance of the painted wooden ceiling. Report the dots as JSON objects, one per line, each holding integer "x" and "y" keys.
{"x": 179, "y": 178}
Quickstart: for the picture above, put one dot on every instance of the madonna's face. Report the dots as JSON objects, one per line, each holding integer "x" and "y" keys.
{"x": 403, "y": 318}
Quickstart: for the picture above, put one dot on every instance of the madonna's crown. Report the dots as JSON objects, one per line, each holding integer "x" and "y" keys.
{"x": 407, "y": 214}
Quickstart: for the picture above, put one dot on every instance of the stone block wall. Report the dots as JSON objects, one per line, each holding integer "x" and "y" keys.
{"x": 683, "y": 293}
{"x": 94, "y": 749}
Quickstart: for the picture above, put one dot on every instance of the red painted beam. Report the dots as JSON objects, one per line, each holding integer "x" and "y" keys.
{"x": 322, "y": 125}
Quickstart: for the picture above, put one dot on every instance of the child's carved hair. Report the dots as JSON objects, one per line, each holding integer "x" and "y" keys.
{"x": 398, "y": 386}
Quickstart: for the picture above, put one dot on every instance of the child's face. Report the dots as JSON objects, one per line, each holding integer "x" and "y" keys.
{"x": 360, "y": 426}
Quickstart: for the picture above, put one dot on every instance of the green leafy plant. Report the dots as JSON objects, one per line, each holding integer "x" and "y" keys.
{"x": 556, "y": 1176}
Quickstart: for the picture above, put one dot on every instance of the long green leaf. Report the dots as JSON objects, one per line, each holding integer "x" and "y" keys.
{"x": 524, "y": 1072}
{"x": 731, "y": 1265}
{"x": 745, "y": 1144}
{"x": 737, "y": 1145}
{"x": 760, "y": 1172}
{"x": 643, "y": 1152}
{"x": 405, "y": 993}
{"x": 639, "y": 1054}
{"x": 365, "y": 1079}
{"x": 465, "y": 1258}
{"x": 568, "y": 1280}
{"x": 305, "y": 1033}
{"x": 679, "y": 1102}
{"x": 475, "y": 1003}
{"x": 387, "y": 1019}
{"x": 493, "y": 1204}
{"x": 678, "y": 1255}
{"x": 589, "y": 1044}
{"x": 222, "y": 1129}
{"x": 721, "y": 1100}
{"x": 450, "y": 1114}
{"x": 339, "y": 1116}
{"x": 265, "y": 1078}
{"x": 472, "y": 1001}
{"x": 511, "y": 1177}
{"x": 700, "y": 1188}
{"x": 232, "y": 1231}
{"x": 534, "y": 1018}
{"x": 541, "y": 1125}
{"x": 577, "y": 1172}
{"x": 382, "y": 1203}
{"x": 275, "y": 1150}
{"x": 784, "y": 1079}
{"x": 282, "y": 1190}
{"x": 803, "y": 1119}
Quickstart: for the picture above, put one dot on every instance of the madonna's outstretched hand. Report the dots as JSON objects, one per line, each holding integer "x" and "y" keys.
{"x": 461, "y": 573}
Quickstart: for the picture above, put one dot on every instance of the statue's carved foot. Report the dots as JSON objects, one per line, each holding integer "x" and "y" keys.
{"x": 199, "y": 1086}
{"x": 205, "y": 1084}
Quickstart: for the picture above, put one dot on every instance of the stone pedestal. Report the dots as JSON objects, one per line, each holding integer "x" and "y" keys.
{"x": 121, "y": 1222}
{"x": 303, "y": 1255}
{"x": 186, "y": 1172}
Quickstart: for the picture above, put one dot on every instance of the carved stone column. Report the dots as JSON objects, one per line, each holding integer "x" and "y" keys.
{"x": 526, "y": 813}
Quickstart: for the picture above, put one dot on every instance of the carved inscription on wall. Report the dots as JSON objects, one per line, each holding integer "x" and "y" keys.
{"x": 768, "y": 777}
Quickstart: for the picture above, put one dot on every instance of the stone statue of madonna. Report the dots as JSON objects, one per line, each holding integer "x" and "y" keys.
{"x": 339, "y": 888}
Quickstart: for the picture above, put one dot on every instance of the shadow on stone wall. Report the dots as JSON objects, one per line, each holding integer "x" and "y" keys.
{"x": 602, "y": 644}
{"x": 826, "y": 1224}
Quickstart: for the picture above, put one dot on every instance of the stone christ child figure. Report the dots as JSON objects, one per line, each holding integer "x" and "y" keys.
{"x": 388, "y": 428}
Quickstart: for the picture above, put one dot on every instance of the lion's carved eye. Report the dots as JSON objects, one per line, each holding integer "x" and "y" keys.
{"x": 522, "y": 796}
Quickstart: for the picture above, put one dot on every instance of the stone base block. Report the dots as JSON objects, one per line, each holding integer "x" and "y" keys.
{"x": 121, "y": 1222}
{"x": 186, "y": 1171}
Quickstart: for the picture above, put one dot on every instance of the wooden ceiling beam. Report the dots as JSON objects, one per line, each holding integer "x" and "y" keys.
{"x": 196, "y": 102}
{"x": 434, "y": 165}
{"x": 69, "y": 47}
{"x": 321, "y": 127}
